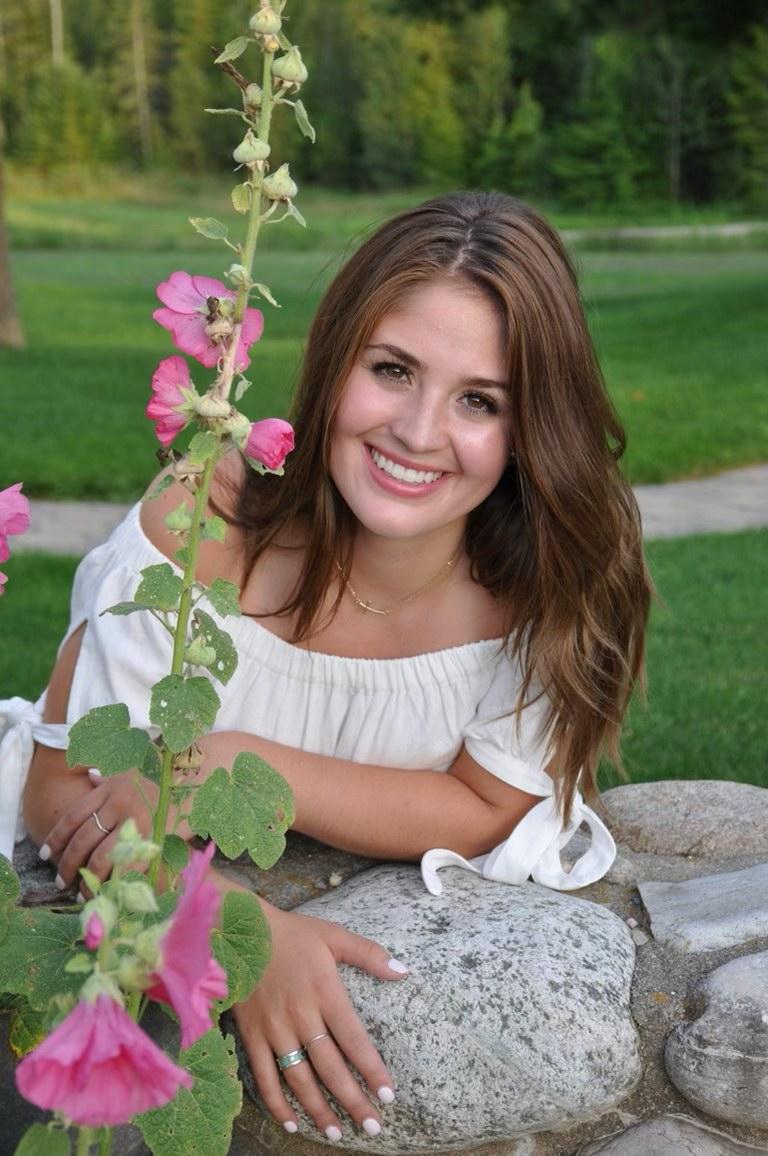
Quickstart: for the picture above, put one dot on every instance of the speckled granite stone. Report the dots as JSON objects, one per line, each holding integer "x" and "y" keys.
{"x": 670, "y": 1136}
{"x": 710, "y": 911}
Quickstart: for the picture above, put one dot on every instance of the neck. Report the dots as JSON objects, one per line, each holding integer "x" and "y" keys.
{"x": 385, "y": 569}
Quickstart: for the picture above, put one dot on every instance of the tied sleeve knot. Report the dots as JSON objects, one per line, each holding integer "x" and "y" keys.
{"x": 21, "y": 726}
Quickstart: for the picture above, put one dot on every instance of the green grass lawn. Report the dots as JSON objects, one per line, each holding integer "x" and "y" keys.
{"x": 707, "y": 683}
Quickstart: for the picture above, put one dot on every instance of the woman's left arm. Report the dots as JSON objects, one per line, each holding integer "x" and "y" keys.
{"x": 385, "y": 812}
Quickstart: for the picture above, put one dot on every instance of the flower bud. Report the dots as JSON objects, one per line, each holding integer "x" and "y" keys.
{"x": 97, "y": 920}
{"x": 213, "y": 407}
{"x": 238, "y": 427}
{"x": 279, "y": 186}
{"x": 131, "y": 847}
{"x": 266, "y": 20}
{"x": 252, "y": 96}
{"x": 188, "y": 761}
{"x": 136, "y": 896}
{"x": 251, "y": 149}
{"x": 132, "y": 973}
{"x": 238, "y": 275}
{"x": 179, "y": 521}
{"x": 198, "y": 653}
{"x": 290, "y": 68}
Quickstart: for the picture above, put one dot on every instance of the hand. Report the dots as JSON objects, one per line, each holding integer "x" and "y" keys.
{"x": 78, "y": 841}
{"x": 301, "y": 996}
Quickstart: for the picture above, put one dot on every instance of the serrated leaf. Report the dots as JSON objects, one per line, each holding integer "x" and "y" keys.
{"x": 27, "y": 1028}
{"x": 225, "y": 663}
{"x": 183, "y": 708}
{"x": 34, "y": 952}
{"x": 250, "y": 809}
{"x": 164, "y": 484}
{"x": 224, "y": 597}
{"x": 202, "y": 447}
{"x": 266, "y": 293}
{"x": 242, "y": 945}
{"x": 303, "y": 121}
{"x": 233, "y": 49}
{"x": 104, "y": 738}
{"x": 10, "y": 888}
{"x": 175, "y": 852}
{"x": 160, "y": 587}
{"x": 44, "y": 1140}
{"x": 198, "y": 1121}
{"x": 241, "y": 198}
{"x": 294, "y": 212}
{"x": 124, "y": 608}
{"x": 214, "y": 528}
{"x": 209, "y": 227}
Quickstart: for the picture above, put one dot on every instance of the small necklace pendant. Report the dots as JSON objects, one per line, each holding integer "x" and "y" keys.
{"x": 366, "y": 607}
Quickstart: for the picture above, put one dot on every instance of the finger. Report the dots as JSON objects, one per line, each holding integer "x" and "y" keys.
{"x": 355, "y": 1043}
{"x": 68, "y": 823}
{"x": 328, "y": 1062}
{"x": 266, "y": 1074}
{"x": 365, "y": 954}
{"x": 77, "y": 852}
{"x": 100, "y": 862}
{"x": 302, "y": 1081}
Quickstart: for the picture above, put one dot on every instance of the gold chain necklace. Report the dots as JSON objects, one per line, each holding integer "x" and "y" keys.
{"x": 366, "y": 606}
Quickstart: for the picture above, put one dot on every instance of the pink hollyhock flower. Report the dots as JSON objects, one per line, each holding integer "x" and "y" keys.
{"x": 189, "y": 978}
{"x": 94, "y": 932}
{"x": 99, "y": 1068}
{"x": 186, "y": 315}
{"x": 14, "y": 519}
{"x": 172, "y": 401}
{"x": 269, "y": 442}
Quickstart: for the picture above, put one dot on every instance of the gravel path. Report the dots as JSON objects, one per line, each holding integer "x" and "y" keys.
{"x": 735, "y": 500}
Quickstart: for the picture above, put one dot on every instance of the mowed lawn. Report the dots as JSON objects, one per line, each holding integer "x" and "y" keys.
{"x": 707, "y": 679}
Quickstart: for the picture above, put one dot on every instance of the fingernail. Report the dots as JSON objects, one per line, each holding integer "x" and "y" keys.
{"x": 94, "y": 773}
{"x": 60, "y": 883}
{"x": 290, "y": 1126}
{"x": 396, "y": 965}
{"x": 371, "y": 1126}
{"x": 386, "y": 1095}
{"x": 333, "y": 1133}
{"x": 44, "y": 853}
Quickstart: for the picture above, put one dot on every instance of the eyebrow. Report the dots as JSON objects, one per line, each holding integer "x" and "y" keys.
{"x": 414, "y": 363}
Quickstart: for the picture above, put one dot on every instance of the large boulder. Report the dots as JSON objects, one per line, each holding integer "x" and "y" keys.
{"x": 670, "y": 1136}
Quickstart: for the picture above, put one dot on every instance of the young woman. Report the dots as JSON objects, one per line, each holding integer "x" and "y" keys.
{"x": 444, "y": 607}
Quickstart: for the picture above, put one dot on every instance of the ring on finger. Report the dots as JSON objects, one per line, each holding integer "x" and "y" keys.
{"x": 290, "y": 1059}
{"x": 319, "y": 1036}
{"x": 99, "y": 824}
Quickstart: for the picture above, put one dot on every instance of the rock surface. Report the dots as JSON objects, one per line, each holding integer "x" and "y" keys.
{"x": 710, "y": 911}
{"x": 669, "y": 1136}
{"x": 720, "y": 1060}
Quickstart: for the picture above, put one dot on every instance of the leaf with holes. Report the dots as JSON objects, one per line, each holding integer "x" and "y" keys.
{"x": 160, "y": 587}
{"x": 224, "y": 597}
{"x": 104, "y": 738}
{"x": 183, "y": 708}
{"x": 225, "y": 663}
{"x": 198, "y": 1121}
{"x": 250, "y": 809}
{"x": 242, "y": 945}
{"x": 34, "y": 953}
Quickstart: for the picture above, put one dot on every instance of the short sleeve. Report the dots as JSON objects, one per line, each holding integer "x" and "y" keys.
{"x": 518, "y": 751}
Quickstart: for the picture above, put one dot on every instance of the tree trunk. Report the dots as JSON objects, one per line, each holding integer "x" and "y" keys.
{"x": 10, "y": 327}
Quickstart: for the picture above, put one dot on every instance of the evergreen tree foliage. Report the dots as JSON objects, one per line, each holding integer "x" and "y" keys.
{"x": 747, "y": 111}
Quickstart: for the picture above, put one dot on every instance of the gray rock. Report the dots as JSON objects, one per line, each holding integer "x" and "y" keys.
{"x": 711, "y": 911}
{"x": 669, "y": 1136}
{"x": 705, "y": 818}
{"x": 720, "y": 1061}
{"x": 514, "y": 1018}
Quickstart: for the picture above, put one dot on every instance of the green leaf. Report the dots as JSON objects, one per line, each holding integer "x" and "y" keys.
{"x": 209, "y": 227}
{"x": 202, "y": 447}
{"x": 265, "y": 292}
{"x": 26, "y": 1029}
{"x": 303, "y": 121}
{"x": 182, "y": 556}
{"x": 10, "y": 888}
{"x": 34, "y": 952}
{"x": 183, "y": 708}
{"x": 225, "y": 662}
{"x": 175, "y": 852}
{"x": 228, "y": 112}
{"x": 123, "y": 608}
{"x": 160, "y": 587}
{"x": 151, "y": 766}
{"x": 92, "y": 882}
{"x": 80, "y": 964}
{"x": 214, "y": 528}
{"x": 241, "y": 198}
{"x": 242, "y": 385}
{"x": 164, "y": 484}
{"x": 294, "y": 212}
{"x": 249, "y": 809}
{"x": 233, "y": 49}
{"x": 242, "y": 945}
{"x": 285, "y": 43}
{"x": 104, "y": 738}
{"x": 198, "y": 1121}
{"x": 224, "y": 597}
{"x": 44, "y": 1140}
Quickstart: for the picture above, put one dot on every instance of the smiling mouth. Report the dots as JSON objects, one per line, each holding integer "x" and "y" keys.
{"x": 403, "y": 473}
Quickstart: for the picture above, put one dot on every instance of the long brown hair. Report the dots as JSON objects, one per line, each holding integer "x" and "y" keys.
{"x": 558, "y": 542}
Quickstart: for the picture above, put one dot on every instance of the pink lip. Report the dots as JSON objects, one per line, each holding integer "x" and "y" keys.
{"x": 392, "y": 485}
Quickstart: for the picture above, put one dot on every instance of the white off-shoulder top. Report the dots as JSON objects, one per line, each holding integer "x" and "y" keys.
{"x": 412, "y": 712}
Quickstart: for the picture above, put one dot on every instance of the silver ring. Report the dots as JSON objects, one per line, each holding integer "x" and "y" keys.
{"x": 99, "y": 824}
{"x": 290, "y": 1059}
{"x": 319, "y": 1036}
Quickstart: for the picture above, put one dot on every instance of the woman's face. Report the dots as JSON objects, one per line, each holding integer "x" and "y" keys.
{"x": 422, "y": 436}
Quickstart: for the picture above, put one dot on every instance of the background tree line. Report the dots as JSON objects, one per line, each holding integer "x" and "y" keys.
{"x": 586, "y": 102}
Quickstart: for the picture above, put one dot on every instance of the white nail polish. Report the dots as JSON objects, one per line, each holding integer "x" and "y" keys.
{"x": 371, "y": 1126}
{"x": 44, "y": 853}
{"x": 396, "y": 965}
{"x": 333, "y": 1133}
{"x": 94, "y": 773}
{"x": 386, "y": 1095}
{"x": 290, "y": 1126}
{"x": 60, "y": 883}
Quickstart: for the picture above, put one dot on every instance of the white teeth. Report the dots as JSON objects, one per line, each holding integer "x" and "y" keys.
{"x": 415, "y": 477}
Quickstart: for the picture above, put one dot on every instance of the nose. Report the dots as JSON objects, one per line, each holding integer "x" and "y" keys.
{"x": 421, "y": 424}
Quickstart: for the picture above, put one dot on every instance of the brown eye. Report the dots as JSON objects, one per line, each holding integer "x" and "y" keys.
{"x": 479, "y": 403}
{"x": 392, "y": 370}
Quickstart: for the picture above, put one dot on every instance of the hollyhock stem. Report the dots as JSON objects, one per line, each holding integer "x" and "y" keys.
{"x": 84, "y": 1141}
{"x": 105, "y": 1143}
{"x": 179, "y": 646}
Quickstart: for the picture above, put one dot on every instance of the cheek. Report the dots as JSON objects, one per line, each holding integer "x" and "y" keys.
{"x": 486, "y": 451}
